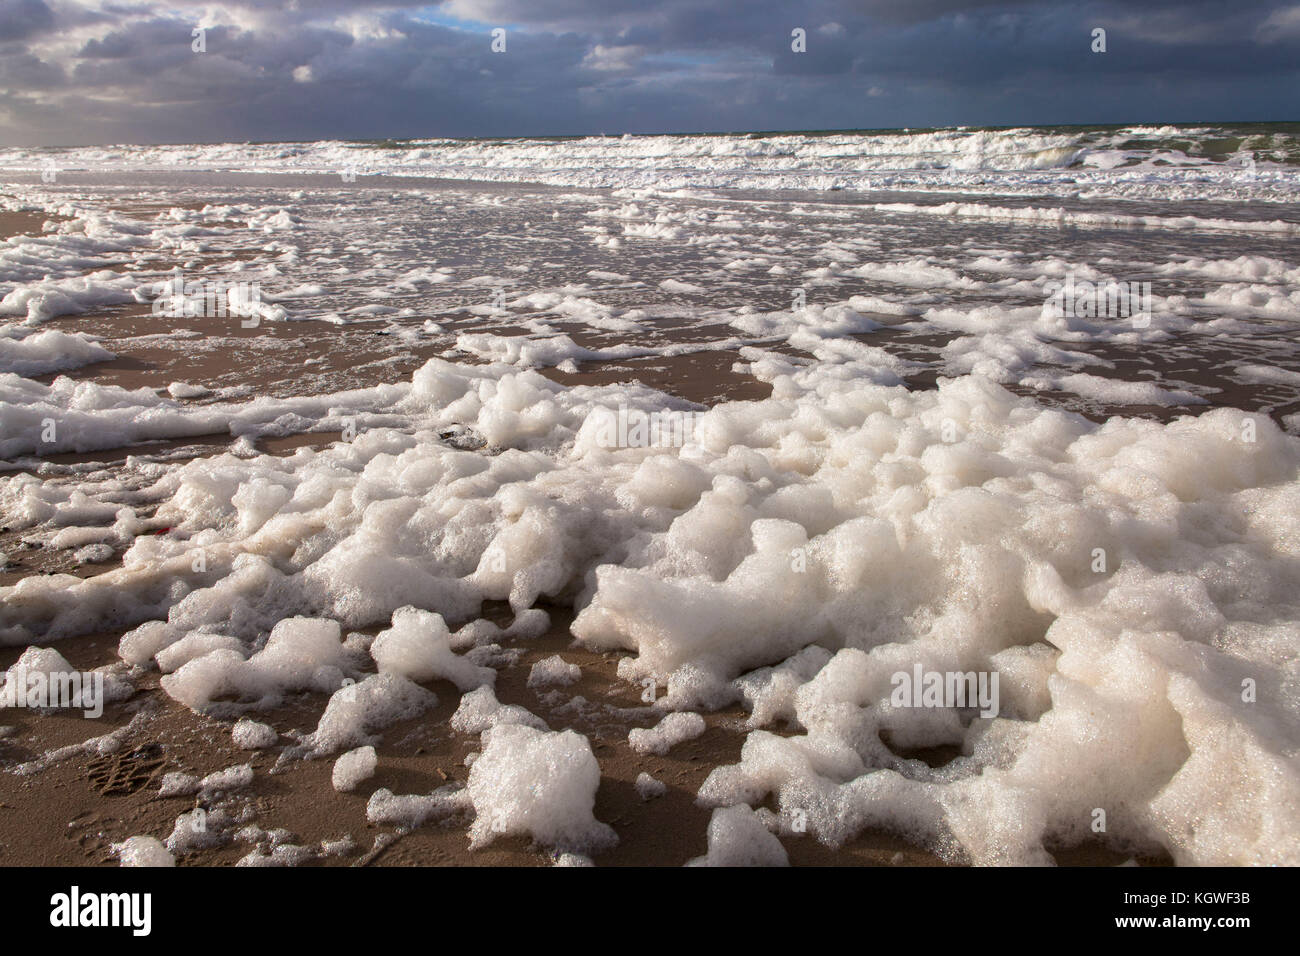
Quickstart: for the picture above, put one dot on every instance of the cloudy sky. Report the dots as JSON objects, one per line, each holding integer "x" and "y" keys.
{"x": 106, "y": 71}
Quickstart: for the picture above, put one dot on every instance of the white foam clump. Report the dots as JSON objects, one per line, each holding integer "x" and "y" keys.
{"x": 418, "y": 647}
{"x": 537, "y": 783}
{"x": 46, "y": 351}
{"x": 768, "y": 693}
{"x": 175, "y": 656}
{"x": 139, "y": 645}
{"x": 737, "y": 837}
{"x": 198, "y": 829}
{"x": 91, "y": 416}
{"x": 480, "y": 710}
{"x": 143, "y": 851}
{"x": 1113, "y": 391}
{"x": 647, "y": 787}
{"x": 232, "y": 778}
{"x": 340, "y": 847}
{"x": 177, "y": 784}
{"x": 885, "y": 552}
{"x": 674, "y": 729}
{"x": 58, "y": 673}
{"x": 408, "y": 811}
{"x": 1268, "y": 375}
{"x": 300, "y": 653}
{"x": 250, "y": 734}
{"x": 93, "y": 554}
{"x": 553, "y": 671}
{"x": 34, "y": 660}
{"x": 356, "y": 712}
{"x": 375, "y": 568}
{"x": 42, "y": 301}
{"x": 284, "y": 854}
{"x": 186, "y": 390}
{"x": 354, "y": 767}
{"x": 551, "y": 351}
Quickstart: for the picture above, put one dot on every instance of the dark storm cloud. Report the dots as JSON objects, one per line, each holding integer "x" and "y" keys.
{"x": 22, "y": 18}
{"x": 84, "y": 71}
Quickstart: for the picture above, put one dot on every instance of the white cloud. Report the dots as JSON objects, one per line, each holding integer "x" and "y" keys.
{"x": 612, "y": 58}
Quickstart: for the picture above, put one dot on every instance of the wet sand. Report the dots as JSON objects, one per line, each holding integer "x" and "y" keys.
{"x": 23, "y": 223}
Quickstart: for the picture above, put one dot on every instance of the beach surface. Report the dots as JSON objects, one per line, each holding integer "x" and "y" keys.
{"x": 310, "y": 450}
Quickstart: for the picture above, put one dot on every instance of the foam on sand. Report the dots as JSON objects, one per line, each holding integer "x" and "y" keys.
{"x": 353, "y": 768}
{"x": 28, "y": 353}
{"x": 668, "y": 733}
{"x": 737, "y": 837}
{"x": 1123, "y": 579}
{"x": 418, "y": 646}
{"x": 536, "y": 783}
{"x": 553, "y": 671}
{"x": 251, "y": 735}
{"x": 300, "y": 653}
{"x": 143, "y": 851}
